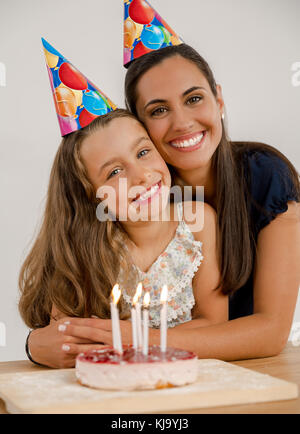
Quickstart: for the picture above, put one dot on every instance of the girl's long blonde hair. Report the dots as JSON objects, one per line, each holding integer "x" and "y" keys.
{"x": 75, "y": 259}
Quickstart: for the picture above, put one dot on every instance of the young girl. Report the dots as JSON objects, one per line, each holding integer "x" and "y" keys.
{"x": 77, "y": 259}
{"x": 253, "y": 188}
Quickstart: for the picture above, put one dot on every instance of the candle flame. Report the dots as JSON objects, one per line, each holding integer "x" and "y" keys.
{"x": 116, "y": 293}
{"x": 146, "y": 300}
{"x": 137, "y": 294}
{"x": 164, "y": 294}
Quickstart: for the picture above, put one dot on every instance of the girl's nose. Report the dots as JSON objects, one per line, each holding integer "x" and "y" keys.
{"x": 141, "y": 175}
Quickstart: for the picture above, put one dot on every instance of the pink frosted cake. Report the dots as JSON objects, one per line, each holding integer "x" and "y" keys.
{"x": 106, "y": 369}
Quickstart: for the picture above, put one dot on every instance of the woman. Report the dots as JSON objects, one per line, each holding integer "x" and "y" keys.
{"x": 253, "y": 188}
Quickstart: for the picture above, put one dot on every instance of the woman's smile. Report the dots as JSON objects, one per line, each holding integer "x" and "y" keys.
{"x": 189, "y": 142}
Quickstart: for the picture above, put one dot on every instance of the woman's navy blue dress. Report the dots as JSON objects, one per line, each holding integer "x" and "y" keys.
{"x": 270, "y": 188}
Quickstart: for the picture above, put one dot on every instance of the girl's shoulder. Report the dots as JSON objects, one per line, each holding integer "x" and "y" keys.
{"x": 200, "y": 218}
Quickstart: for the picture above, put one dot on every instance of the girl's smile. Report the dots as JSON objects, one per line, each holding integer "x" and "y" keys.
{"x": 149, "y": 195}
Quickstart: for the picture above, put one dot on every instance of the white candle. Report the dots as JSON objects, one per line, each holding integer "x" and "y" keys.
{"x": 146, "y": 323}
{"x": 133, "y": 326}
{"x": 139, "y": 325}
{"x": 138, "y": 315}
{"x": 163, "y": 319}
{"x": 117, "y": 341}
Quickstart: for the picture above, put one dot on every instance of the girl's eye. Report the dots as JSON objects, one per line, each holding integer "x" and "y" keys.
{"x": 143, "y": 152}
{"x": 113, "y": 173}
{"x": 159, "y": 111}
{"x": 194, "y": 99}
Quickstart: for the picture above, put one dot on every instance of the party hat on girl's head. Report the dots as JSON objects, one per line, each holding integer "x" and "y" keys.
{"x": 77, "y": 101}
{"x": 144, "y": 30}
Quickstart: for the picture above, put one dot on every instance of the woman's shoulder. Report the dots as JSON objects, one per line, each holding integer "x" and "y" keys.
{"x": 263, "y": 166}
{"x": 261, "y": 158}
{"x": 271, "y": 181}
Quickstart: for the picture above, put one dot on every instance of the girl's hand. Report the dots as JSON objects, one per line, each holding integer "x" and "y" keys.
{"x": 52, "y": 347}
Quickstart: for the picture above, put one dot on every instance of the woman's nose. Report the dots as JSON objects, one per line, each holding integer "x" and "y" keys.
{"x": 182, "y": 121}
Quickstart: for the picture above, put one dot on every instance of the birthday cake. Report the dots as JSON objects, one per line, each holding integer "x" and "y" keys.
{"x": 107, "y": 369}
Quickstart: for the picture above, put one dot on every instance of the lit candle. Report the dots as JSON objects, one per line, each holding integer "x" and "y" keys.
{"x": 117, "y": 341}
{"x": 146, "y": 323}
{"x": 163, "y": 319}
{"x": 133, "y": 326}
{"x": 138, "y": 315}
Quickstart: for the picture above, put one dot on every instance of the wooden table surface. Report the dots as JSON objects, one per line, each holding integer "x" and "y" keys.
{"x": 285, "y": 366}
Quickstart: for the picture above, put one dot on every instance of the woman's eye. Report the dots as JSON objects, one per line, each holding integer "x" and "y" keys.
{"x": 142, "y": 153}
{"x": 158, "y": 111}
{"x": 194, "y": 99}
{"x": 113, "y": 173}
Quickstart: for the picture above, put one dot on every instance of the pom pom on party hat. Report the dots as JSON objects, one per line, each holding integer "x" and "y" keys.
{"x": 144, "y": 30}
{"x": 77, "y": 101}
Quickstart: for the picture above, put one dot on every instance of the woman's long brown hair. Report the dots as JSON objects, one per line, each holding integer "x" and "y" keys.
{"x": 75, "y": 259}
{"x": 236, "y": 243}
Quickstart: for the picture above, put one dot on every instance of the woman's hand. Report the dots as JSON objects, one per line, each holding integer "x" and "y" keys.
{"x": 100, "y": 330}
{"x": 56, "y": 347}
{"x": 95, "y": 330}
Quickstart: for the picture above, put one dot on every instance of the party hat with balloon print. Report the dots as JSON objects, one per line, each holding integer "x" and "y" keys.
{"x": 77, "y": 100}
{"x": 144, "y": 30}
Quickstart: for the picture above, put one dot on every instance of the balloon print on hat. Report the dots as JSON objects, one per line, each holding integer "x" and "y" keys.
{"x": 93, "y": 103}
{"x": 152, "y": 37}
{"x": 51, "y": 59}
{"x": 65, "y": 99}
{"x": 77, "y": 94}
{"x": 85, "y": 118}
{"x": 71, "y": 77}
{"x": 166, "y": 33}
{"x": 129, "y": 33}
{"x": 141, "y": 12}
{"x": 140, "y": 50}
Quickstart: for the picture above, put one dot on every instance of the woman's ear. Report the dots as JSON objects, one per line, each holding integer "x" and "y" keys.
{"x": 219, "y": 98}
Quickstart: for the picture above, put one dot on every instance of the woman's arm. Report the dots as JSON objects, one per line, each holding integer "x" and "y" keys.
{"x": 263, "y": 334}
{"x": 276, "y": 283}
{"x": 211, "y": 306}
{"x": 49, "y": 347}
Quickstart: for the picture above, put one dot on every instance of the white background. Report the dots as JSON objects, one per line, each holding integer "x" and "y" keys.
{"x": 251, "y": 46}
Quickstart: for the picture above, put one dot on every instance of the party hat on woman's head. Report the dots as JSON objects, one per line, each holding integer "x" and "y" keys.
{"x": 77, "y": 101}
{"x": 144, "y": 30}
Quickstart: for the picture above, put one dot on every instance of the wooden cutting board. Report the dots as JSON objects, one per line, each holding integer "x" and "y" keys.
{"x": 219, "y": 384}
